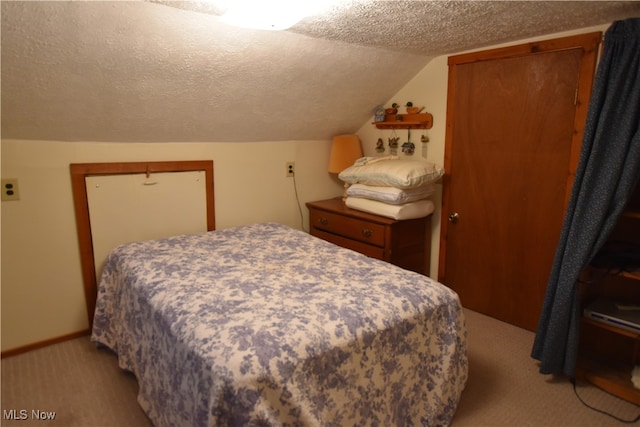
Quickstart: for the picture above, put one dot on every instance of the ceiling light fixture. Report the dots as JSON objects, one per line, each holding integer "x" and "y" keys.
{"x": 271, "y": 14}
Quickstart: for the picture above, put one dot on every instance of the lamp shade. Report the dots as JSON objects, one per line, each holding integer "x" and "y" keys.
{"x": 345, "y": 150}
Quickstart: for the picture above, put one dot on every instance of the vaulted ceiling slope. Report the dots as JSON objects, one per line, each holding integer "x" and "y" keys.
{"x": 170, "y": 71}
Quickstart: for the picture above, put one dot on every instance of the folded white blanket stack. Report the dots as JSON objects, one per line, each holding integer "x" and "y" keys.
{"x": 394, "y": 188}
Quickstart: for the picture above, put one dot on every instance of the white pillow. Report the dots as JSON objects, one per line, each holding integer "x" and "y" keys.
{"x": 391, "y": 172}
{"x": 392, "y": 195}
{"x": 412, "y": 210}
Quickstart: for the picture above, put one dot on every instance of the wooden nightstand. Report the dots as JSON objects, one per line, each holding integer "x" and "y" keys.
{"x": 404, "y": 243}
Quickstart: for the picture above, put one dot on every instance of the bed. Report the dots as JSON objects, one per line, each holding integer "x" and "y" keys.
{"x": 265, "y": 325}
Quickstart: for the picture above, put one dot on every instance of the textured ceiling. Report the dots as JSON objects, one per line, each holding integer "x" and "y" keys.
{"x": 170, "y": 71}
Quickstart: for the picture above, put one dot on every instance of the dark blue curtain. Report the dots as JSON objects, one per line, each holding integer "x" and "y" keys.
{"x": 608, "y": 171}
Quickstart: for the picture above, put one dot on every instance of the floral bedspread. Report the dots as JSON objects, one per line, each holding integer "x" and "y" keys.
{"x": 265, "y": 325}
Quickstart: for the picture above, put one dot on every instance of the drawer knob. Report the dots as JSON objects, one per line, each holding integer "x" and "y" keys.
{"x": 324, "y": 221}
{"x": 366, "y": 232}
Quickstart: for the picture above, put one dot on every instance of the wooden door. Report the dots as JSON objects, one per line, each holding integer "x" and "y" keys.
{"x": 514, "y": 128}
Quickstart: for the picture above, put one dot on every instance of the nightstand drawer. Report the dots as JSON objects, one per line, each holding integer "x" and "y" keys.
{"x": 364, "y": 248}
{"x": 352, "y": 228}
{"x": 406, "y": 243}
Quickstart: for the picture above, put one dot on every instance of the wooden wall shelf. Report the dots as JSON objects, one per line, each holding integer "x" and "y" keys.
{"x": 407, "y": 121}
{"x": 611, "y": 377}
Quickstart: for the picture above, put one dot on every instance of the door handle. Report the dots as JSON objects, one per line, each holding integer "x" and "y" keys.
{"x": 453, "y": 218}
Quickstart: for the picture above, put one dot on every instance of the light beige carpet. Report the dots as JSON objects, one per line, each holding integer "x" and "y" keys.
{"x": 82, "y": 385}
{"x": 85, "y": 387}
{"x": 506, "y": 389}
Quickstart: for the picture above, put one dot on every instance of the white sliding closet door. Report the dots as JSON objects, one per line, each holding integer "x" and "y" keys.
{"x": 127, "y": 208}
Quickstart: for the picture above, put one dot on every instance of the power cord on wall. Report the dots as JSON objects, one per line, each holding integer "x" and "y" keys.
{"x": 575, "y": 390}
{"x": 295, "y": 190}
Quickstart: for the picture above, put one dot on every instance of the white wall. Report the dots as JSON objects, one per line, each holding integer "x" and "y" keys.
{"x": 42, "y": 291}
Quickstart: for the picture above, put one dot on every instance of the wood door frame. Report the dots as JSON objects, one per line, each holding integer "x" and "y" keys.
{"x": 79, "y": 173}
{"x": 589, "y": 44}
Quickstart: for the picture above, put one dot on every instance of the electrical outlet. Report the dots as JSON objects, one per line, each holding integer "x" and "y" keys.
{"x": 291, "y": 169}
{"x": 10, "y": 189}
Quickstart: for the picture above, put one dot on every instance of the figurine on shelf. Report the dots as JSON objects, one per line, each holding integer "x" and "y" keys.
{"x": 411, "y": 109}
{"x": 393, "y": 109}
{"x": 378, "y": 113}
{"x": 380, "y": 146}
